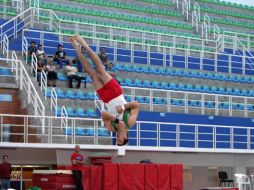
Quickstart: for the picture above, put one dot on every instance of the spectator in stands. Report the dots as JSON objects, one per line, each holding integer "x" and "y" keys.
{"x": 60, "y": 56}
{"x": 72, "y": 74}
{"x": 40, "y": 68}
{"x": 52, "y": 75}
{"x": 103, "y": 56}
{"x": 31, "y": 49}
{"x": 41, "y": 54}
{"x": 77, "y": 162}
{"x": 5, "y": 173}
{"x": 111, "y": 70}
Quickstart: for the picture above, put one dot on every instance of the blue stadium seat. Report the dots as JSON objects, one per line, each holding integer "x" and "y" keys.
{"x": 147, "y": 99}
{"x": 244, "y": 92}
{"x": 221, "y": 90}
{"x": 147, "y": 84}
{"x": 118, "y": 67}
{"x": 68, "y": 131}
{"x": 120, "y": 80}
{"x": 164, "y": 85}
{"x": 70, "y": 94}
{"x": 144, "y": 69}
{"x": 80, "y": 112}
{"x": 128, "y": 98}
{"x": 153, "y": 70}
{"x": 197, "y": 88}
{"x": 189, "y": 87}
{"x": 159, "y": 100}
{"x": 60, "y": 93}
{"x": 140, "y": 99}
{"x": 90, "y": 95}
{"x": 80, "y": 95}
{"x": 169, "y": 71}
{"x": 172, "y": 86}
{"x": 127, "y": 67}
{"x": 250, "y": 107}
{"x": 48, "y": 92}
{"x": 80, "y": 131}
{"x": 61, "y": 76}
{"x": 136, "y": 68}
{"x": 70, "y": 111}
{"x": 209, "y": 104}
{"x": 5, "y": 71}
{"x": 127, "y": 82}
{"x": 236, "y": 91}
{"x": 162, "y": 71}
{"x": 251, "y": 92}
{"x": 156, "y": 84}
{"x": 103, "y": 132}
{"x": 205, "y": 88}
{"x": 90, "y": 131}
{"x": 186, "y": 73}
{"x": 138, "y": 83}
{"x": 181, "y": 86}
{"x": 90, "y": 112}
{"x": 58, "y": 111}
{"x": 214, "y": 89}
{"x": 228, "y": 90}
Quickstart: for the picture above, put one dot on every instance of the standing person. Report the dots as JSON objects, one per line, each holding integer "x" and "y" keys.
{"x": 77, "y": 162}
{"x": 41, "y": 54}
{"x": 120, "y": 115}
{"x": 52, "y": 75}
{"x": 5, "y": 173}
{"x": 31, "y": 49}
{"x": 103, "y": 57}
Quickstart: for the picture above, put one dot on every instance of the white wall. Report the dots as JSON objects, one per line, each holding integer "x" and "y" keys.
{"x": 244, "y": 2}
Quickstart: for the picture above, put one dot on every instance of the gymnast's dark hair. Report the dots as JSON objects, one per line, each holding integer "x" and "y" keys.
{"x": 125, "y": 141}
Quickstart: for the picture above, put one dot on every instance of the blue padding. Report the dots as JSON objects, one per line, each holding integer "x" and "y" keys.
{"x": 222, "y": 145}
{"x": 222, "y": 130}
{"x": 224, "y": 138}
{"x": 178, "y": 58}
{"x": 109, "y": 50}
{"x": 236, "y": 64}
{"x": 121, "y": 58}
{"x": 170, "y": 127}
{"x": 223, "y": 57}
{"x": 249, "y": 60}
{"x": 67, "y": 45}
{"x": 132, "y": 142}
{"x": 227, "y": 50}
{"x": 148, "y": 126}
{"x": 31, "y": 34}
{"x": 168, "y": 143}
{"x": 148, "y": 134}
{"x": 140, "y": 54}
{"x": 178, "y": 64}
{"x": 222, "y": 69}
{"x": 188, "y": 144}
{"x": 204, "y": 144}
{"x": 249, "y": 72}
{"x": 93, "y": 48}
{"x": 205, "y": 129}
{"x": 186, "y": 128}
{"x": 132, "y": 134}
{"x": 252, "y": 132}
{"x": 124, "y": 52}
{"x": 186, "y": 136}
{"x": 193, "y": 66}
{"x": 236, "y": 71}
{"x": 194, "y": 60}
{"x": 156, "y": 55}
{"x": 50, "y": 37}
{"x": 237, "y": 59}
{"x": 49, "y": 51}
{"x": 222, "y": 63}
{"x": 140, "y": 60}
{"x": 156, "y": 62}
{"x": 148, "y": 142}
{"x": 240, "y": 138}
{"x": 240, "y": 131}
{"x": 208, "y": 137}
{"x": 35, "y": 40}
{"x": 208, "y": 61}
{"x": 252, "y": 145}
{"x": 164, "y": 135}
{"x": 208, "y": 68}
{"x": 240, "y": 145}
{"x": 110, "y": 56}
{"x": 51, "y": 44}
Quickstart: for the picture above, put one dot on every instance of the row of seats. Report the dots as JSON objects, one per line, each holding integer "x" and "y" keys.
{"x": 229, "y": 4}
{"x": 131, "y": 7}
{"x": 70, "y": 93}
{"x": 88, "y": 131}
{"x": 226, "y": 12}
{"x": 184, "y": 87}
{"x": 78, "y": 112}
{"x": 184, "y": 73}
{"x": 118, "y": 16}
{"x": 190, "y": 103}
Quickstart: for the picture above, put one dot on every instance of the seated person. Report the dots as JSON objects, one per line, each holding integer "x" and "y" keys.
{"x": 52, "y": 75}
{"x": 72, "y": 74}
{"x": 40, "y": 68}
{"x": 111, "y": 70}
{"x": 41, "y": 54}
{"x": 103, "y": 56}
{"x": 60, "y": 56}
{"x": 32, "y": 49}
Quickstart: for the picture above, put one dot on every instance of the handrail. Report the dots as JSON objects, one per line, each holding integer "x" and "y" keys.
{"x": 25, "y": 83}
{"x": 25, "y": 48}
{"x": 64, "y": 121}
{"x": 177, "y": 130}
{"x": 44, "y": 82}
{"x": 6, "y": 46}
{"x": 34, "y": 65}
{"x": 53, "y": 100}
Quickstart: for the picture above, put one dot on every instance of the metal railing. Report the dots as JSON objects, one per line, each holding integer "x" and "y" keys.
{"x": 53, "y": 100}
{"x": 6, "y": 46}
{"x": 160, "y": 136}
{"x": 34, "y": 65}
{"x": 26, "y": 84}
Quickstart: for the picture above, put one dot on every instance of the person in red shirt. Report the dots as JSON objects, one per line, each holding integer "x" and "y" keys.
{"x": 5, "y": 173}
{"x": 77, "y": 162}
